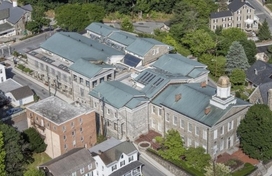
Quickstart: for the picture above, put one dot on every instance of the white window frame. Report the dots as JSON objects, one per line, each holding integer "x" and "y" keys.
{"x": 238, "y": 121}
{"x": 205, "y": 134}
{"x": 222, "y": 130}
{"x": 190, "y": 130}
{"x": 160, "y": 112}
{"x": 175, "y": 120}
{"x": 90, "y": 166}
{"x": 189, "y": 142}
{"x": 230, "y": 125}
{"x": 215, "y": 134}
{"x": 182, "y": 123}
{"x": 154, "y": 109}
{"x": 196, "y": 144}
{"x": 167, "y": 118}
{"x": 108, "y": 111}
{"x": 82, "y": 170}
{"x": 196, "y": 130}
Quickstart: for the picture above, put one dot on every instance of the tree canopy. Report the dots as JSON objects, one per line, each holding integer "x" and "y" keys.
{"x": 127, "y": 25}
{"x": 37, "y": 144}
{"x": 17, "y": 151}
{"x": 236, "y": 58}
{"x": 197, "y": 158}
{"x": 238, "y": 76}
{"x": 264, "y": 31}
{"x": 250, "y": 50}
{"x": 255, "y": 132}
{"x": 172, "y": 146}
{"x": 34, "y": 172}
{"x": 217, "y": 169}
{"x": 76, "y": 17}
{"x": 2, "y": 156}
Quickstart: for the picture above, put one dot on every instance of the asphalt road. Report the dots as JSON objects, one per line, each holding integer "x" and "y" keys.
{"x": 261, "y": 12}
{"x": 40, "y": 91}
{"x": 26, "y": 45}
{"x": 149, "y": 170}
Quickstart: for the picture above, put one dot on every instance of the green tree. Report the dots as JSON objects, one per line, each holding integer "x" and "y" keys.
{"x": 33, "y": 26}
{"x": 37, "y": 144}
{"x": 222, "y": 5}
{"x": 264, "y": 32}
{"x": 127, "y": 25}
{"x": 17, "y": 151}
{"x": 250, "y": 50}
{"x": 197, "y": 158}
{"x": 75, "y": 17}
{"x": 238, "y": 76}
{"x": 34, "y": 172}
{"x": 236, "y": 58}
{"x": 2, "y": 156}
{"x": 217, "y": 169}
{"x": 199, "y": 42}
{"x": 227, "y": 37}
{"x": 255, "y": 132}
{"x": 172, "y": 146}
{"x": 216, "y": 65}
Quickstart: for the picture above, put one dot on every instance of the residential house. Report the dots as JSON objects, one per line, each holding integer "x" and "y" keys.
{"x": 21, "y": 96}
{"x": 119, "y": 160}
{"x": 139, "y": 51}
{"x": 73, "y": 64}
{"x": 64, "y": 126}
{"x": 204, "y": 116}
{"x": 259, "y": 73}
{"x": 240, "y": 14}
{"x": 76, "y": 162}
{"x": 122, "y": 109}
{"x": 108, "y": 158}
{"x": 17, "y": 94}
{"x": 2, "y": 73}
{"x": 262, "y": 94}
{"x": 13, "y": 18}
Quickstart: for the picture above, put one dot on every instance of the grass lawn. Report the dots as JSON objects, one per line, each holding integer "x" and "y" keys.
{"x": 269, "y": 6}
{"x": 39, "y": 158}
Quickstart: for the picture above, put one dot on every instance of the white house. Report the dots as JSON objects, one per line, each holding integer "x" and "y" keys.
{"x": 21, "y": 96}
{"x": 120, "y": 160}
{"x": 2, "y": 73}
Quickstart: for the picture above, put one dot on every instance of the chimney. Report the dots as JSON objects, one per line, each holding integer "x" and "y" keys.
{"x": 100, "y": 152}
{"x": 256, "y": 71}
{"x": 14, "y": 3}
{"x": 269, "y": 99}
{"x": 207, "y": 110}
{"x": 203, "y": 84}
{"x": 177, "y": 97}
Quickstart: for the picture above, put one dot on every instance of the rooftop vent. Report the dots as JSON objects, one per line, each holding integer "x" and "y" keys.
{"x": 255, "y": 71}
{"x": 102, "y": 49}
{"x": 203, "y": 84}
{"x": 177, "y": 97}
{"x": 207, "y": 110}
{"x": 79, "y": 40}
{"x": 126, "y": 36}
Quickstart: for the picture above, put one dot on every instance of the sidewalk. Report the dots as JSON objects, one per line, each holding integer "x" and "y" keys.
{"x": 156, "y": 164}
{"x": 58, "y": 94}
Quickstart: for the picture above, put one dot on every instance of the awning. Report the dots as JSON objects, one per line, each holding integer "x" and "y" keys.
{"x": 249, "y": 21}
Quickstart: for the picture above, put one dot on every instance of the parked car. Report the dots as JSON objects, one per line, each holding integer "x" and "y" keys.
{"x": 13, "y": 111}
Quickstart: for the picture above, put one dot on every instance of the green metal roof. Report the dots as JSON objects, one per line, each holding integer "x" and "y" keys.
{"x": 71, "y": 48}
{"x": 88, "y": 69}
{"x": 178, "y": 64}
{"x": 122, "y": 37}
{"x": 134, "y": 102}
{"x": 116, "y": 93}
{"x": 142, "y": 45}
{"x": 194, "y": 100}
{"x": 100, "y": 29}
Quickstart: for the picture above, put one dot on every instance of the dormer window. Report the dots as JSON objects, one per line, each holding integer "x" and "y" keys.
{"x": 122, "y": 156}
{"x": 90, "y": 166}
{"x": 82, "y": 171}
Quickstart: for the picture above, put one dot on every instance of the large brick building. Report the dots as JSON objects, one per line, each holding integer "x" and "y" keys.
{"x": 63, "y": 126}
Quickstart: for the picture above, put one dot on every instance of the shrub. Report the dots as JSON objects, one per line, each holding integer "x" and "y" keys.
{"x": 246, "y": 170}
{"x": 158, "y": 139}
{"x": 21, "y": 67}
{"x": 37, "y": 144}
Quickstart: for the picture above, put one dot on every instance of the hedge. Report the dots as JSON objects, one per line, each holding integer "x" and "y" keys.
{"x": 246, "y": 170}
{"x": 180, "y": 164}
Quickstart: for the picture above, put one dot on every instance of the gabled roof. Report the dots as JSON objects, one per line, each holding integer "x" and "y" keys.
{"x": 128, "y": 168}
{"x": 194, "y": 100}
{"x": 122, "y": 37}
{"x": 9, "y": 85}
{"x": 237, "y": 4}
{"x": 113, "y": 154}
{"x": 71, "y": 48}
{"x": 178, "y": 64}
{"x": 105, "y": 145}
{"x": 115, "y": 93}
{"x": 22, "y": 92}
{"x": 221, "y": 14}
{"x": 259, "y": 73}
{"x": 263, "y": 88}
{"x": 70, "y": 162}
{"x": 100, "y": 29}
{"x": 88, "y": 69}
{"x": 142, "y": 45}
{"x": 4, "y": 14}
{"x": 27, "y": 7}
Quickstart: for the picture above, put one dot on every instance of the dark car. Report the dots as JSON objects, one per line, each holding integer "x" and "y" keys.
{"x": 13, "y": 111}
